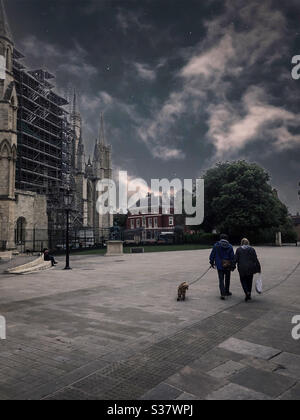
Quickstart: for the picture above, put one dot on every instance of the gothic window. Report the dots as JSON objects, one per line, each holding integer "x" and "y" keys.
{"x": 14, "y": 114}
{"x": 21, "y": 231}
{"x": 7, "y": 58}
{"x": 4, "y": 167}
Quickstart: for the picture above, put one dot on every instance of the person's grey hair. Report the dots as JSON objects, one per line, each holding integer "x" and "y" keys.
{"x": 245, "y": 242}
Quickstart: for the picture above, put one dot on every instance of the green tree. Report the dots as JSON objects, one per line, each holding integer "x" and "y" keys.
{"x": 240, "y": 201}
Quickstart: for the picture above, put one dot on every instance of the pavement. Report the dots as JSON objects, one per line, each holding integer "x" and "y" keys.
{"x": 112, "y": 329}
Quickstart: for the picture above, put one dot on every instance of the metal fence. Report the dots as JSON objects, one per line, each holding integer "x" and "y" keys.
{"x": 36, "y": 240}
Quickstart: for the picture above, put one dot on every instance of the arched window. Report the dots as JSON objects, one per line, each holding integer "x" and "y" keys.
{"x": 21, "y": 231}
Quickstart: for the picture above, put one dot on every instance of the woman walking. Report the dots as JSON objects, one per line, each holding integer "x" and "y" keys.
{"x": 248, "y": 265}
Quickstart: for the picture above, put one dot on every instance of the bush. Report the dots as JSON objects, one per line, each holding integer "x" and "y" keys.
{"x": 201, "y": 238}
{"x": 289, "y": 234}
{"x": 268, "y": 236}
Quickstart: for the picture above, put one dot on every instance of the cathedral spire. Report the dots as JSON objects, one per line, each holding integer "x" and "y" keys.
{"x": 80, "y": 155}
{"x": 102, "y": 131}
{"x": 5, "y": 31}
{"x": 96, "y": 145}
{"x": 75, "y": 105}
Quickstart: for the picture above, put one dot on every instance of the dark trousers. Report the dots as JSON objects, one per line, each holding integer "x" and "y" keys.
{"x": 247, "y": 283}
{"x": 224, "y": 280}
{"x": 50, "y": 258}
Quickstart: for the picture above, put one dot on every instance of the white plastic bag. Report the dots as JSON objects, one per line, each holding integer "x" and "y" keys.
{"x": 259, "y": 284}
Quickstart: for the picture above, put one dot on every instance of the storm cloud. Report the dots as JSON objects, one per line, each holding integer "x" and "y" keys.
{"x": 182, "y": 84}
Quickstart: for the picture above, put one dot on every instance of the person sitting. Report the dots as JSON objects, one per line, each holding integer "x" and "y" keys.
{"x": 48, "y": 257}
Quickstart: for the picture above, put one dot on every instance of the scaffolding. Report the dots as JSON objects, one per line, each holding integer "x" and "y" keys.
{"x": 44, "y": 134}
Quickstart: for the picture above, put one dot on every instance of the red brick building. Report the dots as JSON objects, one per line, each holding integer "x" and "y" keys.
{"x": 150, "y": 227}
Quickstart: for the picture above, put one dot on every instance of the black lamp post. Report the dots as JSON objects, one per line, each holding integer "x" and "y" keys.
{"x": 68, "y": 202}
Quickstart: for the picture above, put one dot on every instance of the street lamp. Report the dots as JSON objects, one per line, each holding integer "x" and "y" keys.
{"x": 68, "y": 203}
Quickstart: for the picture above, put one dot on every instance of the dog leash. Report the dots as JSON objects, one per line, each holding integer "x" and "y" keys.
{"x": 203, "y": 275}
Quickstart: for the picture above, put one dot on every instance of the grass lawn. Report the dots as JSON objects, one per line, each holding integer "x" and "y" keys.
{"x": 154, "y": 248}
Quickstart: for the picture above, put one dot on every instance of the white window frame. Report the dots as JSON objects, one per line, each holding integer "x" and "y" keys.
{"x": 171, "y": 221}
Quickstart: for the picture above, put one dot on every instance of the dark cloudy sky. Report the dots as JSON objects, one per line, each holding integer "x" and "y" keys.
{"x": 182, "y": 83}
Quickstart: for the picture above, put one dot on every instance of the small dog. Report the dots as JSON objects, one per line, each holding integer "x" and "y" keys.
{"x": 183, "y": 287}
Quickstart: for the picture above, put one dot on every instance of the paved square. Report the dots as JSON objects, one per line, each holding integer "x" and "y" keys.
{"x": 112, "y": 329}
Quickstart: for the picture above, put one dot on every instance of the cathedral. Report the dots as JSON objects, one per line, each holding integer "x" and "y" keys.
{"x": 85, "y": 176}
{"x": 42, "y": 158}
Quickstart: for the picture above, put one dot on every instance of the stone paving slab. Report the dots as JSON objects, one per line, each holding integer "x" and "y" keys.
{"x": 187, "y": 397}
{"x": 194, "y": 382}
{"x": 162, "y": 392}
{"x": 249, "y": 349}
{"x": 71, "y": 394}
{"x": 293, "y": 394}
{"x": 267, "y": 383}
{"x": 226, "y": 370}
{"x": 289, "y": 365}
{"x": 237, "y": 392}
{"x": 261, "y": 364}
{"x": 280, "y": 339}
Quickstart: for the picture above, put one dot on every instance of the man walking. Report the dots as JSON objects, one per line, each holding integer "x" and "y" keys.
{"x": 222, "y": 258}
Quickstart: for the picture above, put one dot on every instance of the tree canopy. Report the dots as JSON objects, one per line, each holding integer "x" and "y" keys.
{"x": 240, "y": 201}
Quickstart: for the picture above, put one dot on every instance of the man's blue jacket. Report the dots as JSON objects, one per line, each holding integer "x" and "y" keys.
{"x": 221, "y": 251}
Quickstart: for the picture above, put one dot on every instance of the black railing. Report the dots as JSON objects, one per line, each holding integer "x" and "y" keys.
{"x": 36, "y": 240}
